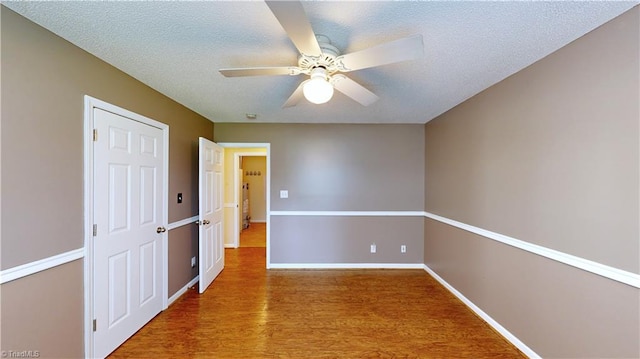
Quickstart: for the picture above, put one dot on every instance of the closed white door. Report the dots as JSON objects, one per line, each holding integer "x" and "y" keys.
{"x": 211, "y": 240}
{"x": 128, "y": 188}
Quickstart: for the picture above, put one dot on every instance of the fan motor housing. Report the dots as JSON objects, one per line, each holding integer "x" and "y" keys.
{"x": 326, "y": 60}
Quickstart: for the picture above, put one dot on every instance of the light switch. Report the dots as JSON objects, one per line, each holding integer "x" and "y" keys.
{"x": 284, "y": 193}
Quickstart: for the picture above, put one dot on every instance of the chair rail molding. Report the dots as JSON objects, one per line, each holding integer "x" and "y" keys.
{"x": 619, "y": 275}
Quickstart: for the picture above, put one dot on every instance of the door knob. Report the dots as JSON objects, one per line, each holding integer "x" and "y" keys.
{"x": 161, "y": 230}
{"x": 206, "y": 221}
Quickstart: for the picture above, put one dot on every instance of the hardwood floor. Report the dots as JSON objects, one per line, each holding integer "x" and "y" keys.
{"x": 254, "y": 236}
{"x": 249, "y": 312}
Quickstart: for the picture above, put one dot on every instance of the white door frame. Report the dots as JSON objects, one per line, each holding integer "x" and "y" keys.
{"x": 89, "y": 104}
{"x": 236, "y": 164}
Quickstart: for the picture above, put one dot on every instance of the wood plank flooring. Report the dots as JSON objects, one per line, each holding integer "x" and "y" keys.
{"x": 254, "y": 236}
{"x": 249, "y": 312}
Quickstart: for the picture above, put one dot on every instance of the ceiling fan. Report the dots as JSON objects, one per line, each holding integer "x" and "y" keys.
{"x": 324, "y": 63}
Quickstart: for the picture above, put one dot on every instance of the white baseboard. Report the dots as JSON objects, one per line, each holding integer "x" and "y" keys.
{"x": 346, "y": 266}
{"x": 183, "y": 290}
{"x": 349, "y": 213}
{"x": 499, "y": 328}
{"x": 258, "y": 221}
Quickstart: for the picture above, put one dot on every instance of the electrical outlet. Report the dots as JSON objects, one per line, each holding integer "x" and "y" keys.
{"x": 373, "y": 248}
{"x": 403, "y": 249}
{"x": 193, "y": 262}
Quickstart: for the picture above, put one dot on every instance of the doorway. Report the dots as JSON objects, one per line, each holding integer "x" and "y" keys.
{"x": 253, "y": 209}
{"x": 234, "y": 178}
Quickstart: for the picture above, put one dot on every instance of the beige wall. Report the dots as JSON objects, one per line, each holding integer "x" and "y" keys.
{"x": 329, "y": 167}
{"x": 340, "y": 168}
{"x": 328, "y": 240}
{"x": 183, "y": 245}
{"x": 43, "y": 312}
{"x": 549, "y": 156}
{"x": 44, "y": 79}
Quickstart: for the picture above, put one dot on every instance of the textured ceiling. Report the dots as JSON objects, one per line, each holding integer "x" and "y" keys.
{"x": 178, "y": 47}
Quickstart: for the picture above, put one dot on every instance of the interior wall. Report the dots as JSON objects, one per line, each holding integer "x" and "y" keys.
{"x": 549, "y": 156}
{"x": 36, "y": 308}
{"x": 183, "y": 245}
{"x": 44, "y": 79}
{"x": 340, "y": 168}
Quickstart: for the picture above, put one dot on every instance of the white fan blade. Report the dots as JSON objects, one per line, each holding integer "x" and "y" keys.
{"x": 296, "y": 96}
{"x": 294, "y": 21}
{"x": 408, "y": 48}
{"x": 353, "y": 89}
{"x": 260, "y": 71}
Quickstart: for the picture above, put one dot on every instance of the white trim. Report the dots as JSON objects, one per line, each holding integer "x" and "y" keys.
{"x": 89, "y": 104}
{"x": 183, "y": 290}
{"x": 245, "y": 145}
{"x": 183, "y": 222}
{"x": 350, "y": 213}
{"x": 268, "y": 185}
{"x": 606, "y": 271}
{"x": 165, "y": 213}
{"x": 499, "y": 328}
{"x": 258, "y": 221}
{"x": 30, "y": 268}
{"x": 88, "y": 224}
{"x": 229, "y": 205}
{"x": 347, "y": 265}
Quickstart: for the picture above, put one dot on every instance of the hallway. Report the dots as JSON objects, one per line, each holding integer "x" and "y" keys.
{"x": 254, "y": 236}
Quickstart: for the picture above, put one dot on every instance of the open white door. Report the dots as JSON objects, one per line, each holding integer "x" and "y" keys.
{"x": 211, "y": 241}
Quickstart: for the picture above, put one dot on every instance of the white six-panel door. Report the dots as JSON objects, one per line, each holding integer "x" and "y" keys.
{"x": 128, "y": 188}
{"x": 211, "y": 241}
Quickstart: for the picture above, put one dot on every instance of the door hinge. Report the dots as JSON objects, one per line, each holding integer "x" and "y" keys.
{"x": 95, "y": 134}
{"x": 95, "y": 230}
{"x": 95, "y": 324}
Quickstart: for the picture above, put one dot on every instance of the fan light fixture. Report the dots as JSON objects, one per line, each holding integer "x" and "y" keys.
{"x": 318, "y": 90}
